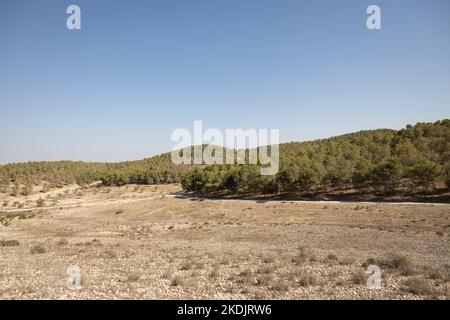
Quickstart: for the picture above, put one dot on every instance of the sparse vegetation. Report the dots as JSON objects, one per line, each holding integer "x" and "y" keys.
{"x": 360, "y": 277}
{"x": 246, "y": 277}
{"x": 108, "y": 254}
{"x": 394, "y": 261}
{"x": 368, "y": 162}
{"x": 40, "y": 202}
{"x": 369, "y": 261}
{"x": 28, "y": 189}
{"x": 347, "y": 261}
{"x": 214, "y": 274}
{"x": 9, "y": 243}
{"x": 62, "y": 242}
{"x": 268, "y": 259}
{"x": 133, "y": 278}
{"x": 176, "y": 281}
{"x": 332, "y": 257}
{"x": 400, "y": 263}
{"x": 302, "y": 256}
{"x": 419, "y": 286}
{"x": 166, "y": 274}
{"x": 38, "y": 249}
{"x": 438, "y": 274}
{"x": 187, "y": 265}
{"x": 307, "y": 279}
{"x": 275, "y": 259}
{"x": 266, "y": 269}
{"x": 279, "y": 285}
{"x": 265, "y": 280}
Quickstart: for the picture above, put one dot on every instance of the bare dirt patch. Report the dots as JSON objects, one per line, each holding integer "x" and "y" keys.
{"x": 147, "y": 243}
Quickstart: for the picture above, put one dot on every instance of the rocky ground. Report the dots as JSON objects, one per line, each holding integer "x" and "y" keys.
{"x": 149, "y": 242}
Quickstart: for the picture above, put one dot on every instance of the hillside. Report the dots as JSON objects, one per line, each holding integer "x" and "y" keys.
{"x": 415, "y": 159}
{"x": 155, "y": 170}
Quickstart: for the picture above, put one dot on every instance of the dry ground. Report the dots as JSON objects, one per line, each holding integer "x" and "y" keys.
{"x": 149, "y": 243}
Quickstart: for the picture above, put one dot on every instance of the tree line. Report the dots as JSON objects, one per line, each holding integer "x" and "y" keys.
{"x": 414, "y": 159}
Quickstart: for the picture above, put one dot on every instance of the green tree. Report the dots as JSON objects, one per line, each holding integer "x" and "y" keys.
{"x": 387, "y": 175}
{"x": 362, "y": 173}
{"x": 231, "y": 182}
{"x": 307, "y": 178}
{"x": 287, "y": 179}
{"x": 425, "y": 173}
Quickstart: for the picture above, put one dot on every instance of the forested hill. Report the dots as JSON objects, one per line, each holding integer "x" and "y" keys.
{"x": 414, "y": 159}
{"x": 158, "y": 169}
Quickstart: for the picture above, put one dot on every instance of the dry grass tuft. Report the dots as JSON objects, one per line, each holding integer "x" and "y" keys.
{"x": 268, "y": 259}
{"x": 279, "y": 285}
{"x": 303, "y": 255}
{"x": 62, "y": 242}
{"x": 176, "y": 281}
{"x": 109, "y": 254}
{"x": 400, "y": 263}
{"x": 187, "y": 265}
{"x": 214, "y": 274}
{"x": 359, "y": 277}
{"x": 437, "y": 274}
{"x": 9, "y": 243}
{"x": 347, "y": 261}
{"x": 40, "y": 202}
{"x": 419, "y": 286}
{"x": 166, "y": 274}
{"x": 266, "y": 269}
{"x": 265, "y": 280}
{"x": 38, "y": 249}
{"x": 246, "y": 277}
{"x": 133, "y": 278}
{"x": 307, "y": 280}
{"x": 332, "y": 257}
{"x": 369, "y": 261}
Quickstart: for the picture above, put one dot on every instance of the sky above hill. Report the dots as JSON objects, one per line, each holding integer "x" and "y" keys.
{"x": 137, "y": 70}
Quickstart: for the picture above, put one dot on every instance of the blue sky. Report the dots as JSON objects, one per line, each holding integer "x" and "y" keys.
{"x": 137, "y": 70}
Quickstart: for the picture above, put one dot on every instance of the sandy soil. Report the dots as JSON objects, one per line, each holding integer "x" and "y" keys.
{"x": 148, "y": 242}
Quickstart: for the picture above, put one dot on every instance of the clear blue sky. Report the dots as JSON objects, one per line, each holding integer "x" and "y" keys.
{"x": 137, "y": 70}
